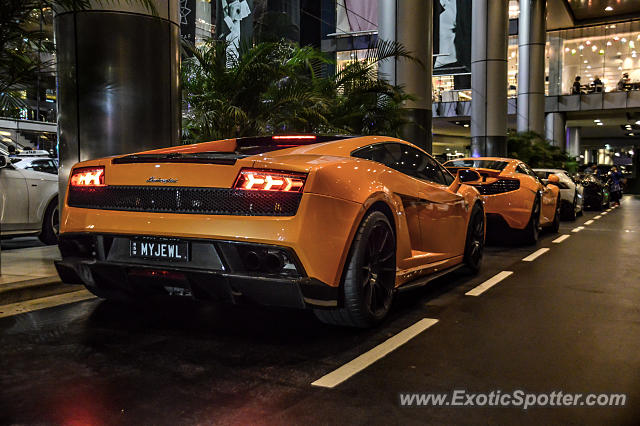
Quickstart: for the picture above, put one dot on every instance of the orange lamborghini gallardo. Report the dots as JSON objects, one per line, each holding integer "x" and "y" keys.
{"x": 334, "y": 224}
{"x": 515, "y": 198}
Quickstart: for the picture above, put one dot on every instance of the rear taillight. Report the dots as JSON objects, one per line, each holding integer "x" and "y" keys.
{"x": 87, "y": 176}
{"x": 260, "y": 180}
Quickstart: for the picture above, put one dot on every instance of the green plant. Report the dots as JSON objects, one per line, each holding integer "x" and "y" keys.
{"x": 534, "y": 150}
{"x": 273, "y": 87}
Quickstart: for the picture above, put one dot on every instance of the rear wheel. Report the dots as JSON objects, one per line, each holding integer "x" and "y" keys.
{"x": 369, "y": 278}
{"x": 571, "y": 211}
{"x": 50, "y": 224}
{"x": 555, "y": 225}
{"x": 474, "y": 246}
{"x": 532, "y": 231}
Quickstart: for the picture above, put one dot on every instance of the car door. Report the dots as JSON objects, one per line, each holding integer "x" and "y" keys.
{"x": 441, "y": 212}
{"x": 14, "y": 200}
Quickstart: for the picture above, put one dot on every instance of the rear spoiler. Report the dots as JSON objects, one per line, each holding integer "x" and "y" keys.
{"x": 485, "y": 173}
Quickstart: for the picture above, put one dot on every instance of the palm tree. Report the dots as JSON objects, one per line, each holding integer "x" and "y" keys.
{"x": 273, "y": 88}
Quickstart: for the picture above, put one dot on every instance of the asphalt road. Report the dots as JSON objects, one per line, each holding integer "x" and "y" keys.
{"x": 569, "y": 321}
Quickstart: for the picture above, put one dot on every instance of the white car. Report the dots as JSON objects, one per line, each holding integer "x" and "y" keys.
{"x": 38, "y": 164}
{"x": 28, "y": 202}
{"x": 571, "y": 193}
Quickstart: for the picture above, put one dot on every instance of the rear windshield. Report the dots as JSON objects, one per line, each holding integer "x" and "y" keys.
{"x": 480, "y": 164}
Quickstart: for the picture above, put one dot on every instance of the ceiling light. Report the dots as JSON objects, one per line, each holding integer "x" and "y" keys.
{"x": 466, "y": 125}
{"x": 5, "y": 133}
{"x": 588, "y": 67}
{"x": 638, "y": 122}
{"x": 624, "y": 40}
{"x": 608, "y": 8}
{"x": 617, "y": 154}
{"x": 581, "y": 47}
{"x": 631, "y": 134}
{"x": 597, "y": 120}
{"x": 594, "y": 48}
{"x": 588, "y": 42}
{"x": 573, "y": 51}
{"x": 566, "y": 49}
{"x": 609, "y": 43}
{"x": 586, "y": 62}
{"x": 599, "y": 124}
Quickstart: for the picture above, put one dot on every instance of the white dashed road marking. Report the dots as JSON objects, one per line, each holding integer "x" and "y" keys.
{"x": 578, "y": 229}
{"x": 477, "y": 291}
{"x": 351, "y": 368}
{"x": 589, "y": 222}
{"x": 561, "y": 239}
{"x": 597, "y": 217}
{"x": 536, "y": 254}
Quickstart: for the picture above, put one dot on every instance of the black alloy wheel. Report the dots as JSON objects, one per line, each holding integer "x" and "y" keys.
{"x": 532, "y": 231}
{"x": 474, "y": 247}
{"x": 555, "y": 225}
{"x": 369, "y": 279}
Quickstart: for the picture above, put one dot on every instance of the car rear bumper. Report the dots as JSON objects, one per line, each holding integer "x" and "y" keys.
{"x": 214, "y": 272}
{"x": 513, "y": 208}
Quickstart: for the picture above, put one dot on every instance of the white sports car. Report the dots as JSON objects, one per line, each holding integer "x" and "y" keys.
{"x": 571, "y": 193}
{"x": 28, "y": 202}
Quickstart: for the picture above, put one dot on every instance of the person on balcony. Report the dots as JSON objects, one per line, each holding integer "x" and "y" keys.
{"x": 598, "y": 86}
{"x": 623, "y": 83}
{"x": 576, "y": 89}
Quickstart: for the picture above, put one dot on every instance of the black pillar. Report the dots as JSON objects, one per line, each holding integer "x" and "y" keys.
{"x": 118, "y": 81}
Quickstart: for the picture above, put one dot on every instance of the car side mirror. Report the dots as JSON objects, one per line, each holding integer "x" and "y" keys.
{"x": 467, "y": 175}
{"x": 553, "y": 179}
{"x": 4, "y": 160}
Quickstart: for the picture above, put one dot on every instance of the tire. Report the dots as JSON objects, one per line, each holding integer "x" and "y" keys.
{"x": 532, "y": 230}
{"x": 50, "y": 224}
{"x": 474, "y": 245}
{"x": 555, "y": 225}
{"x": 369, "y": 276}
{"x": 572, "y": 215}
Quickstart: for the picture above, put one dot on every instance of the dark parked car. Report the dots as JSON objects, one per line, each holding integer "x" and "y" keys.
{"x": 596, "y": 192}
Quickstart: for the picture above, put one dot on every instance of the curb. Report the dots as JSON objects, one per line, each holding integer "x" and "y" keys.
{"x": 22, "y": 291}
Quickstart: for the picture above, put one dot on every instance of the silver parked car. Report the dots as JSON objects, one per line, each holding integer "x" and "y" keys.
{"x": 571, "y": 193}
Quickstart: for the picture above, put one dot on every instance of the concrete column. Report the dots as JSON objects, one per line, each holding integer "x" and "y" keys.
{"x": 489, "y": 25}
{"x": 118, "y": 80}
{"x": 410, "y": 22}
{"x": 554, "y": 129}
{"x": 573, "y": 141}
{"x": 531, "y": 44}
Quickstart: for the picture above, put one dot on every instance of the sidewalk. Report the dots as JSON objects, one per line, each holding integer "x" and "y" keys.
{"x": 28, "y": 264}
{"x": 29, "y": 273}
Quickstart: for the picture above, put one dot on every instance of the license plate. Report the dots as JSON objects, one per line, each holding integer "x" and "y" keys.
{"x": 159, "y": 249}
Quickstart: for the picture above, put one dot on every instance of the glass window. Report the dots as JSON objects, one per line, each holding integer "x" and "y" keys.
{"x": 405, "y": 159}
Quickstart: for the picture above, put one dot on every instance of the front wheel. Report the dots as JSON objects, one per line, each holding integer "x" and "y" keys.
{"x": 369, "y": 278}
{"x": 474, "y": 246}
{"x": 50, "y": 224}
